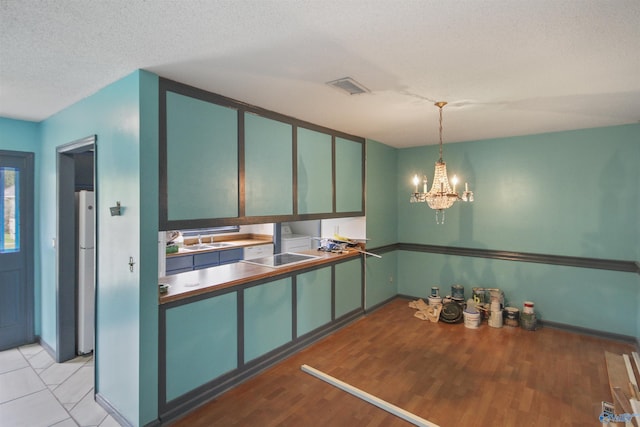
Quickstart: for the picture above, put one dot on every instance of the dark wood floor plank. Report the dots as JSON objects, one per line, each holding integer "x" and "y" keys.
{"x": 447, "y": 374}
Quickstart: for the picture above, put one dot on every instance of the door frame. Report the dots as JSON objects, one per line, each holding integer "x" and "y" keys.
{"x": 27, "y": 235}
{"x": 66, "y": 319}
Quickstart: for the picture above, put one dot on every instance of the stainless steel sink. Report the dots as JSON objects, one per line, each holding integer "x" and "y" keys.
{"x": 204, "y": 246}
{"x": 218, "y": 245}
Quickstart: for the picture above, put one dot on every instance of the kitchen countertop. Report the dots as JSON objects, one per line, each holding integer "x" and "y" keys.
{"x": 190, "y": 283}
{"x": 229, "y": 244}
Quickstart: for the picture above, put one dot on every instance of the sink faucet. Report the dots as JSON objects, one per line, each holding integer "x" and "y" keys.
{"x": 199, "y": 239}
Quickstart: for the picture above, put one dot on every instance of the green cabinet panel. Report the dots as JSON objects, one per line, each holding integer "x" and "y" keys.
{"x": 268, "y": 317}
{"x": 268, "y": 149}
{"x": 202, "y": 159}
{"x": 348, "y": 283}
{"x": 201, "y": 343}
{"x": 313, "y": 297}
{"x": 349, "y": 163}
{"x": 315, "y": 186}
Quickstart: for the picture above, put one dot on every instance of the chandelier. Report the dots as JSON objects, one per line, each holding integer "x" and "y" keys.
{"x": 441, "y": 196}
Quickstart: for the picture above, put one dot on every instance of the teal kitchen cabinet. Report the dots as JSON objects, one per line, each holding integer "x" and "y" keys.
{"x": 348, "y": 287}
{"x": 223, "y": 162}
{"x": 314, "y": 172}
{"x": 201, "y": 343}
{"x": 201, "y": 159}
{"x": 349, "y": 183}
{"x": 268, "y": 316}
{"x": 313, "y": 300}
{"x": 268, "y": 167}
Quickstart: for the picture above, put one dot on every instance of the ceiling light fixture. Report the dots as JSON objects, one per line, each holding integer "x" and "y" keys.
{"x": 441, "y": 196}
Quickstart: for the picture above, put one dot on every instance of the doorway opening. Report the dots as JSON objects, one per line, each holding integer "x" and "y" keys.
{"x": 76, "y": 296}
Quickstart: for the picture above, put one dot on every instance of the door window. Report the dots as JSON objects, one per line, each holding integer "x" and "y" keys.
{"x": 10, "y": 206}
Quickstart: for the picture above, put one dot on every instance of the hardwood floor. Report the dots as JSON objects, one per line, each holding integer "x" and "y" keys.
{"x": 447, "y": 374}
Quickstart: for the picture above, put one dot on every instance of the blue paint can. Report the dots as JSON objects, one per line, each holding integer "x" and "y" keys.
{"x": 457, "y": 292}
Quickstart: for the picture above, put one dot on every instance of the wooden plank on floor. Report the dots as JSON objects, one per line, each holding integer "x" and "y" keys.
{"x": 618, "y": 380}
{"x": 633, "y": 384}
{"x": 382, "y": 404}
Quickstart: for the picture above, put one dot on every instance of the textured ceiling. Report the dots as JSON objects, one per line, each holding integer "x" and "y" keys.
{"x": 507, "y": 67}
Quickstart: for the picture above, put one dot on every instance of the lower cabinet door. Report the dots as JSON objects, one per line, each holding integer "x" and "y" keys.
{"x": 348, "y": 294}
{"x": 179, "y": 264}
{"x": 229, "y": 256}
{"x": 267, "y": 317}
{"x": 206, "y": 260}
{"x": 313, "y": 299}
{"x": 201, "y": 343}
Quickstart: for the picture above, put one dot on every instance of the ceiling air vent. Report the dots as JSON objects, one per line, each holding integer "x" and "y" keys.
{"x": 348, "y": 85}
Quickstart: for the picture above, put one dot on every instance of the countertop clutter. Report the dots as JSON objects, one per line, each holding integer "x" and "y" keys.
{"x": 198, "y": 282}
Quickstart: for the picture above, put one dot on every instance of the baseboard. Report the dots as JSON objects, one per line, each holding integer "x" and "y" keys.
{"x": 111, "y": 410}
{"x": 587, "y": 331}
{"x": 380, "y": 304}
{"x": 47, "y": 348}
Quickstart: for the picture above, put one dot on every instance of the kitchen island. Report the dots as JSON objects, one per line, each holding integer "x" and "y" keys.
{"x": 221, "y": 325}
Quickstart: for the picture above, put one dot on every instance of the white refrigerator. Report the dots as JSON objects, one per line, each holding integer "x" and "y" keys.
{"x": 86, "y": 271}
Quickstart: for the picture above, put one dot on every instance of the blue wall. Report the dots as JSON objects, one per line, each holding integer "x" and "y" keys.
{"x": 20, "y": 135}
{"x": 569, "y": 193}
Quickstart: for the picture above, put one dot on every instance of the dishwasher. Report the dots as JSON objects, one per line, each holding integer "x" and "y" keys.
{"x": 258, "y": 251}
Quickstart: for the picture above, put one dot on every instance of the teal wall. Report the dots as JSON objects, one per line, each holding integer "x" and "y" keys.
{"x": 126, "y": 301}
{"x": 569, "y": 193}
{"x": 382, "y": 221}
{"x": 20, "y": 135}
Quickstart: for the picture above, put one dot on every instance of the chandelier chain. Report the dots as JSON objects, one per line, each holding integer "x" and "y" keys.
{"x": 440, "y": 106}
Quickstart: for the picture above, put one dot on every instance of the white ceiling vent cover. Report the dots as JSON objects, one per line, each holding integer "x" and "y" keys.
{"x": 349, "y": 85}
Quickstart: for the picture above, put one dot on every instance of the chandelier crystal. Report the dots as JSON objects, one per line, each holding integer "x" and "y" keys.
{"x": 441, "y": 196}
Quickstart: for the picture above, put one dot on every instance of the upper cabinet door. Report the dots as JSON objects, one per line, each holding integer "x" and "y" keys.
{"x": 349, "y": 181}
{"x": 268, "y": 150}
{"x": 314, "y": 172}
{"x": 202, "y": 159}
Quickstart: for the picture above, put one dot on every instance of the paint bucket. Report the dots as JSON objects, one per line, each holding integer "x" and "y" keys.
{"x": 471, "y": 320}
{"x": 478, "y": 295}
{"x": 496, "y": 295}
{"x": 528, "y": 321}
{"x": 528, "y": 307}
{"x": 457, "y": 292}
{"x": 495, "y": 319}
{"x": 435, "y": 301}
{"x": 511, "y": 316}
{"x": 435, "y": 291}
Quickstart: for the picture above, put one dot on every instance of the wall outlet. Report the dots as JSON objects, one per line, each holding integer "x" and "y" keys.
{"x": 390, "y": 279}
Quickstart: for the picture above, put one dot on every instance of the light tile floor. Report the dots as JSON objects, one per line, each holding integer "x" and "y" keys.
{"x": 36, "y": 391}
